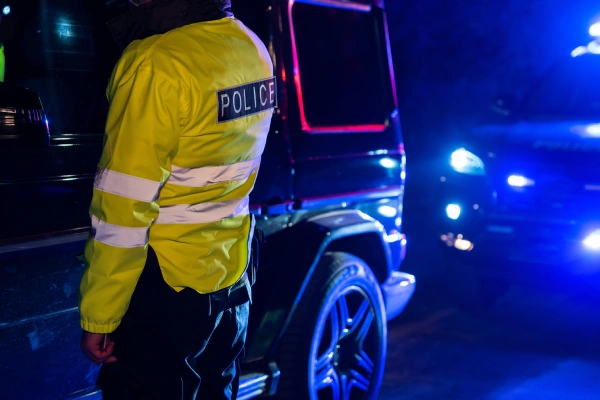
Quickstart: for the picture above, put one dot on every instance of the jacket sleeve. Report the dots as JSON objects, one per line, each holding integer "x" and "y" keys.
{"x": 141, "y": 138}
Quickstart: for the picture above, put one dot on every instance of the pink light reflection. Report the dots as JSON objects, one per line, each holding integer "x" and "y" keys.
{"x": 319, "y": 129}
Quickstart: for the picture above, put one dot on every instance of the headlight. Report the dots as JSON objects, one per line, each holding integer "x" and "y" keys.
{"x": 465, "y": 162}
{"x": 520, "y": 181}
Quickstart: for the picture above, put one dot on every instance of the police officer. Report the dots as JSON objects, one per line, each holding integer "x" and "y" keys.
{"x": 165, "y": 294}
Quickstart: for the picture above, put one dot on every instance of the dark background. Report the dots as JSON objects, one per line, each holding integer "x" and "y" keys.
{"x": 452, "y": 58}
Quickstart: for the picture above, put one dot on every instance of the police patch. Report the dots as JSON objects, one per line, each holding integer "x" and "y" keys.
{"x": 251, "y": 98}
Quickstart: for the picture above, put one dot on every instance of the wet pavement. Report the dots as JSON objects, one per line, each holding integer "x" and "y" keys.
{"x": 536, "y": 344}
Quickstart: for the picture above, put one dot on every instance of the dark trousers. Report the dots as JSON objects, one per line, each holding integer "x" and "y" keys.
{"x": 177, "y": 345}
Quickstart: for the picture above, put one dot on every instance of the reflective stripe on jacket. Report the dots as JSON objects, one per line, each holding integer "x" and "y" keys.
{"x": 174, "y": 173}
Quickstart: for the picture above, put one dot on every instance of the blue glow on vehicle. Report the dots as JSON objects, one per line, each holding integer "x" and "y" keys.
{"x": 394, "y": 237}
{"x": 593, "y": 240}
{"x": 65, "y": 29}
{"x": 453, "y": 211}
{"x": 595, "y": 29}
{"x": 520, "y": 181}
{"x": 388, "y": 163}
{"x": 377, "y": 152}
{"x": 6, "y": 10}
{"x": 465, "y": 162}
{"x": 387, "y": 211}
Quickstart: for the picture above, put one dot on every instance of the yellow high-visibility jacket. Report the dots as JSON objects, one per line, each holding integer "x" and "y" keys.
{"x": 188, "y": 119}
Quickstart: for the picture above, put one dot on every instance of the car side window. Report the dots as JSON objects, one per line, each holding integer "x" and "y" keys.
{"x": 339, "y": 62}
{"x": 54, "y": 50}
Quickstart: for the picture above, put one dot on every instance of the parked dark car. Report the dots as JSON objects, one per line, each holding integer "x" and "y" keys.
{"x": 521, "y": 196}
{"x": 328, "y": 198}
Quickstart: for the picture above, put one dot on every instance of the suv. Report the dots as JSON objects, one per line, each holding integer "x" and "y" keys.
{"x": 523, "y": 194}
{"x": 328, "y": 199}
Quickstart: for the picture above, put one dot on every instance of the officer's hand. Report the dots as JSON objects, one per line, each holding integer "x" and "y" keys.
{"x": 91, "y": 343}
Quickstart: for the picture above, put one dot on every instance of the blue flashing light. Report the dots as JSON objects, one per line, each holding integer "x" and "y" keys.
{"x": 6, "y": 10}
{"x": 594, "y": 47}
{"x": 595, "y": 29}
{"x": 581, "y": 50}
{"x": 465, "y": 162}
{"x": 592, "y": 242}
{"x": 453, "y": 211}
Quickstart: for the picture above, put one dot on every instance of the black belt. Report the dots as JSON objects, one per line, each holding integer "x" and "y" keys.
{"x": 222, "y": 300}
{"x": 204, "y": 304}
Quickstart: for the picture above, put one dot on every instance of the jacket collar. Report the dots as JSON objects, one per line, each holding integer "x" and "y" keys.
{"x": 161, "y": 16}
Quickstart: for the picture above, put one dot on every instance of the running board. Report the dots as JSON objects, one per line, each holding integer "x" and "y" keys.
{"x": 256, "y": 384}
{"x": 252, "y": 384}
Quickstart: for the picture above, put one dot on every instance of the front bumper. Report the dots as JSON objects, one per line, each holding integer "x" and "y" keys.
{"x": 493, "y": 222}
{"x": 494, "y": 237}
{"x": 397, "y": 292}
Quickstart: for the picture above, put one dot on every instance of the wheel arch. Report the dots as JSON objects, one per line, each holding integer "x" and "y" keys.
{"x": 366, "y": 246}
{"x": 349, "y": 231}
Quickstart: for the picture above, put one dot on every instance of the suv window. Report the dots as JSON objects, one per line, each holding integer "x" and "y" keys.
{"x": 340, "y": 62}
{"x": 55, "y": 49}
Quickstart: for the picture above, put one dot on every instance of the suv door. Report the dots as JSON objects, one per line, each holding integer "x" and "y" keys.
{"x": 274, "y": 183}
{"x": 342, "y": 106}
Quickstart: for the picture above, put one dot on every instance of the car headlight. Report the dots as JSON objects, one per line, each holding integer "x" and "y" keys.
{"x": 465, "y": 162}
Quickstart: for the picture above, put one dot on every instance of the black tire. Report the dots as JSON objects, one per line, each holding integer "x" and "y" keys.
{"x": 356, "y": 361}
{"x": 471, "y": 291}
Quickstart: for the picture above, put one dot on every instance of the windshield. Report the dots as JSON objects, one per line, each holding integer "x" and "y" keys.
{"x": 570, "y": 89}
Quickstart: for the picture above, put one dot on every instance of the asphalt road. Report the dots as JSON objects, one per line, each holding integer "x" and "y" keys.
{"x": 536, "y": 344}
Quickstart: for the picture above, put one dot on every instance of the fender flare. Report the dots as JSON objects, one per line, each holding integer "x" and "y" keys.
{"x": 294, "y": 254}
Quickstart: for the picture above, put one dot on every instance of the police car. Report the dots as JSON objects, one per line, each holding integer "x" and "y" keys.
{"x": 523, "y": 193}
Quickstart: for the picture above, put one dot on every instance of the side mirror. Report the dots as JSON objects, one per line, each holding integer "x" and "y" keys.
{"x": 505, "y": 104}
{"x": 23, "y": 121}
